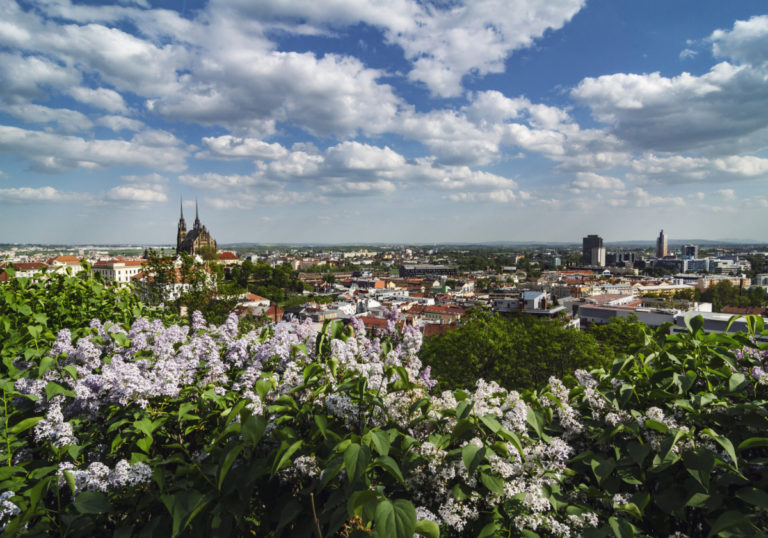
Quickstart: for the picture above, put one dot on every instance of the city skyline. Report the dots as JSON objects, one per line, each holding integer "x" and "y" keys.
{"x": 352, "y": 122}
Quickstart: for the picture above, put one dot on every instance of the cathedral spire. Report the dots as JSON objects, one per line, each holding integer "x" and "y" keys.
{"x": 181, "y": 208}
{"x": 197, "y": 216}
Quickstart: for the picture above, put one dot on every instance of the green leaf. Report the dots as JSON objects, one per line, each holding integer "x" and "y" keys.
{"x": 24, "y": 425}
{"x": 727, "y": 520}
{"x": 493, "y": 483}
{"x": 145, "y": 443}
{"x": 395, "y": 519}
{"x": 491, "y": 422}
{"x": 602, "y": 468}
{"x": 391, "y": 466}
{"x": 92, "y": 502}
{"x": 428, "y": 529}
{"x": 752, "y": 442}
{"x": 183, "y": 507}
{"x": 53, "y": 388}
{"x": 70, "y": 478}
{"x": 253, "y": 429}
{"x": 356, "y": 459}
{"x": 359, "y": 499}
{"x": 285, "y": 458}
{"x": 723, "y": 442}
{"x": 378, "y": 440}
{"x": 489, "y": 530}
{"x": 472, "y": 456}
{"x": 229, "y": 459}
{"x": 737, "y": 382}
{"x": 290, "y": 510}
{"x": 46, "y": 363}
{"x": 754, "y": 496}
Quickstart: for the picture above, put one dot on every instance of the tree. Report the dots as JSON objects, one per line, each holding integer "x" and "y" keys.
{"x": 620, "y": 335}
{"x": 518, "y": 353}
{"x": 329, "y": 278}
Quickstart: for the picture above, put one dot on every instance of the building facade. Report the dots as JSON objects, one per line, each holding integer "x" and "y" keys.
{"x": 593, "y": 252}
{"x": 661, "y": 245}
{"x": 192, "y": 241}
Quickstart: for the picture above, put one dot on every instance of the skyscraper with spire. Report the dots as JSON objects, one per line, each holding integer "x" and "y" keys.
{"x": 198, "y": 237}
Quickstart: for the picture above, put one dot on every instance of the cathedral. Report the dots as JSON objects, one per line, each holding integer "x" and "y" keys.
{"x": 198, "y": 237}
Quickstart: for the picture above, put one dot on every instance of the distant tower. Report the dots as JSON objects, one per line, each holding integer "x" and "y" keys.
{"x": 181, "y": 233}
{"x": 198, "y": 237}
{"x": 661, "y": 245}
{"x": 593, "y": 252}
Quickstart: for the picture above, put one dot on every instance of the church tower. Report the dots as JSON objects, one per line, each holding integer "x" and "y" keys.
{"x": 181, "y": 233}
{"x": 197, "y": 217}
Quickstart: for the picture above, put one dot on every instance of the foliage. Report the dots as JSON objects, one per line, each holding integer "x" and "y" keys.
{"x": 672, "y": 439}
{"x": 619, "y": 335}
{"x": 724, "y": 293}
{"x": 274, "y": 283}
{"x": 136, "y": 428}
{"x": 184, "y": 282}
{"x": 519, "y": 353}
{"x": 33, "y": 310}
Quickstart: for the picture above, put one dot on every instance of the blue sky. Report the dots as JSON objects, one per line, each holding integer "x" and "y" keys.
{"x": 400, "y": 121}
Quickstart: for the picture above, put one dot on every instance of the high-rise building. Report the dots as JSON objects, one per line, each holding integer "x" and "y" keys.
{"x": 661, "y": 245}
{"x": 690, "y": 251}
{"x": 593, "y": 252}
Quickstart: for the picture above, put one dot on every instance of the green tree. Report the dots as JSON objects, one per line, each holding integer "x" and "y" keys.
{"x": 620, "y": 335}
{"x": 518, "y": 353}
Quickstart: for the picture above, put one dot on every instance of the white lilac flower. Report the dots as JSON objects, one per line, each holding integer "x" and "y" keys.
{"x": 8, "y": 509}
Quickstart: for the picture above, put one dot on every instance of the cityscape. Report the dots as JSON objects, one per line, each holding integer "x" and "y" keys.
{"x": 365, "y": 268}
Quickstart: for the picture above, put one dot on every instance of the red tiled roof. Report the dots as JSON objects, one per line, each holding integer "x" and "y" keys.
{"x": 66, "y": 259}
{"x": 253, "y": 297}
{"x": 26, "y": 266}
{"x": 227, "y": 256}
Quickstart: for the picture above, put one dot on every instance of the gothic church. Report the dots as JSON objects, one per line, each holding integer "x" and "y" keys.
{"x": 198, "y": 237}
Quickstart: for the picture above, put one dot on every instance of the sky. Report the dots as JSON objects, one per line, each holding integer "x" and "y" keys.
{"x": 403, "y": 121}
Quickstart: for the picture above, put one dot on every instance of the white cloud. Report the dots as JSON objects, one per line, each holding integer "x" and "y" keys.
{"x": 500, "y": 196}
{"x": 30, "y": 194}
{"x": 120, "y": 123}
{"x": 227, "y": 146}
{"x": 590, "y": 180}
{"x": 688, "y": 53}
{"x": 444, "y": 41}
{"x": 746, "y": 42}
{"x": 66, "y": 120}
{"x": 726, "y": 194}
{"x": 103, "y": 98}
{"x": 130, "y": 193}
{"x": 29, "y": 77}
{"x": 54, "y": 153}
{"x": 722, "y": 112}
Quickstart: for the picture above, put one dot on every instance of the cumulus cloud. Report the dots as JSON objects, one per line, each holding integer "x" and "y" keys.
{"x": 103, "y": 98}
{"x": 443, "y": 41}
{"x": 590, "y": 180}
{"x": 722, "y": 112}
{"x": 232, "y": 147}
{"x": 64, "y": 119}
{"x": 347, "y": 169}
{"x": 31, "y": 194}
{"x": 132, "y": 193}
{"x": 120, "y": 123}
{"x": 54, "y": 153}
{"x": 746, "y": 42}
{"x": 726, "y": 194}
